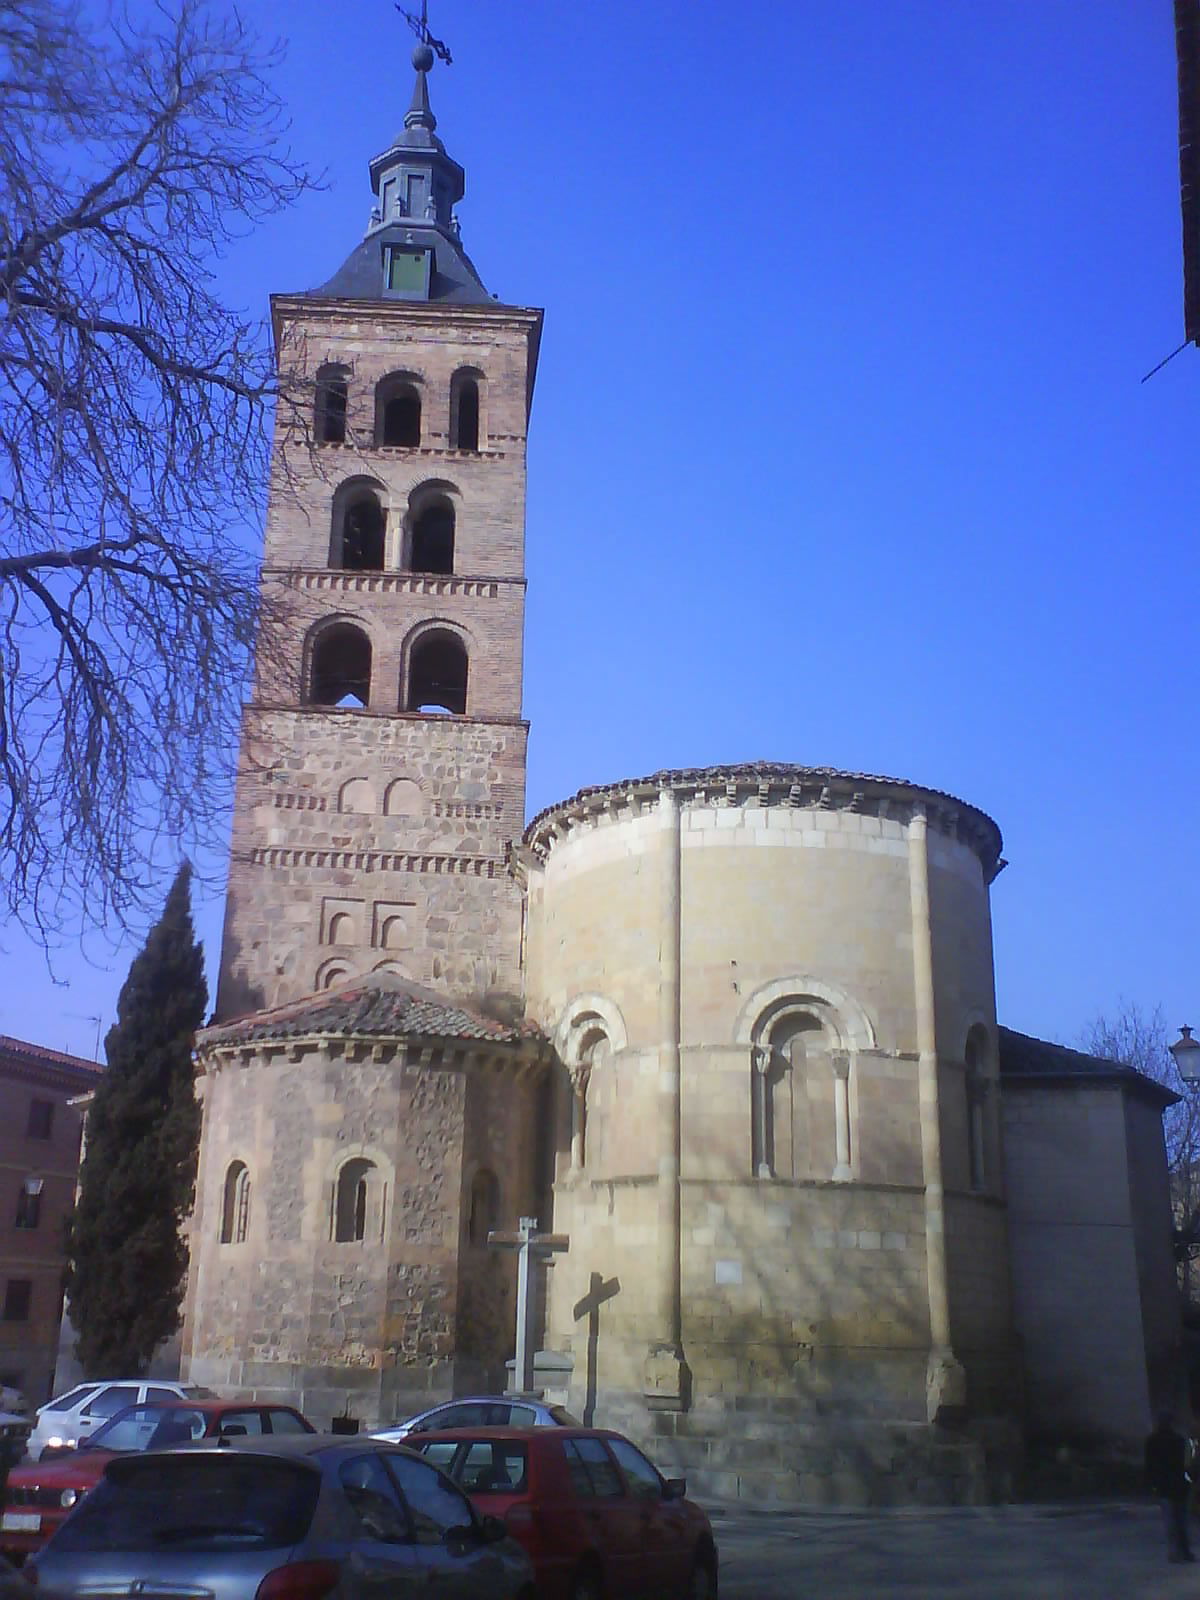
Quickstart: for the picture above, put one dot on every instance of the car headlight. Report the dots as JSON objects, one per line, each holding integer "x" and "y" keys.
{"x": 68, "y": 1498}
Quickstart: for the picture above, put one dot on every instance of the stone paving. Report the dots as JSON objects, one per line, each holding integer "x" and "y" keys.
{"x": 1110, "y": 1551}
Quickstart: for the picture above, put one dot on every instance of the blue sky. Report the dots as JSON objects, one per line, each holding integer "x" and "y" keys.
{"x": 839, "y": 451}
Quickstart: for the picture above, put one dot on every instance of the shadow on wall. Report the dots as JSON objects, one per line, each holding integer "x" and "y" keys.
{"x": 236, "y": 995}
{"x": 820, "y": 1301}
{"x": 599, "y": 1290}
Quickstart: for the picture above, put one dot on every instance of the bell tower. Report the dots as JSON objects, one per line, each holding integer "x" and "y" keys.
{"x": 382, "y": 770}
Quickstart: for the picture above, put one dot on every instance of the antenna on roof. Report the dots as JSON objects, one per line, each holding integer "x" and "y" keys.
{"x": 420, "y": 26}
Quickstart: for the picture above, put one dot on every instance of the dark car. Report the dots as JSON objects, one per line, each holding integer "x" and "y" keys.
{"x": 299, "y": 1518}
{"x": 38, "y": 1498}
{"x": 597, "y": 1518}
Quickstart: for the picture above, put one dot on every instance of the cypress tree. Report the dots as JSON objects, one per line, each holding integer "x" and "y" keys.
{"x": 126, "y": 1257}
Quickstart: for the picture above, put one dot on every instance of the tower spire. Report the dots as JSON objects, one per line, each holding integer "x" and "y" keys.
{"x": 419, "y": 113}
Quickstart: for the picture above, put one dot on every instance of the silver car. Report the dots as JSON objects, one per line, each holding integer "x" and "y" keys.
{"x": 483, "y": 1411}
{"x": 288, "y": 1518}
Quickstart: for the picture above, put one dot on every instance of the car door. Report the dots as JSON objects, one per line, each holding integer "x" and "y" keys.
{"x": 382, "y": 1559}
{"x": 609, "y": 1515}
{"x": 663, "y": 1539}
{"x": 113, "y": 1397}
{"x": 456, "y": 1571}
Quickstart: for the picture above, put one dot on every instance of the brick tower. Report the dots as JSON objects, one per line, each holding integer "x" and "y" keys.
{"x": 383, "y": 749}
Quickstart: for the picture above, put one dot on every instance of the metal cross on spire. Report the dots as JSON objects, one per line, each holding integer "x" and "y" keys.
{"x": 420, "y": 26}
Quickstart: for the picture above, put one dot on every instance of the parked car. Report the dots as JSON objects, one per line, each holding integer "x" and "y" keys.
{"x": 14, "y": 1437}
{"x": 38, "y": 1498}
{"x": 282, "y": 1519}
{"x": 597, "y": 1518}
{"x": 483, "y": 1411}
{"x": 63, "y": 1422}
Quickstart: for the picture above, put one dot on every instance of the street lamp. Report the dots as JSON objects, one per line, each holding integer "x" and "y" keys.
{"x": 1186, "y": 1051}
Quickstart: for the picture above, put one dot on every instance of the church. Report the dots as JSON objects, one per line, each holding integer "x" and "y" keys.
{"x": 834, "y": 1234}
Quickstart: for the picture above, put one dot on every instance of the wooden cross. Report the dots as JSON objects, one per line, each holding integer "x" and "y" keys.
{"x": 529, "y": 1244}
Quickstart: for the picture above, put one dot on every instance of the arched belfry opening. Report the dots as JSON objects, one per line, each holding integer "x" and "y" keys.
{"x": 466, "y": 410}
{"x": 339, "y": 672}
{"x": 358, "y": 531}
{"x": 437, "y": 673}
{"x": 398, "y": 412}
{"x": 331, "y": 403}
{"x": 431, "y": 529}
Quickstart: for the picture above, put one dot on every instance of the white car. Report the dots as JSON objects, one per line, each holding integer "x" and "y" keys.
{"x": 62, "y": 1423}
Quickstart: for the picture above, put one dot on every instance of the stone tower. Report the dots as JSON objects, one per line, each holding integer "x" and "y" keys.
{"x": 383, "y": 750}
{"x": 365, "y": 1126}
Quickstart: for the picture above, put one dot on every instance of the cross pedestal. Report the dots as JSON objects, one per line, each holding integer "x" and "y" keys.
{"x": 531, "y": 1247}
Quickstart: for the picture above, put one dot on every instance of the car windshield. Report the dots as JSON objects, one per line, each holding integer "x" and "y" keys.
{"x": 223, "y": 1501}
{"x": 149, "y": 1427}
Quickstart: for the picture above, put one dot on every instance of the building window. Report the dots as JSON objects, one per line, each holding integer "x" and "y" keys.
{"x": 235, "y": 1208}
{"x": 437, "y": 674}
{"x": 340, "y": 672}
{"x": 351, "y": 1201}
{"x": 329, "y": 415}
{"x": 41, "y": 1119}
{"x": 484, "y": 1207}
{"x": 465, "y": 411}
{"x": 364, "y": 525}
{"x": 433, "y": 538}
{"x": 18, "y": 1292}
{"x": 406, "y": 272}
{"x": 29, "y": 1203}
{"x": 398, "y": 413}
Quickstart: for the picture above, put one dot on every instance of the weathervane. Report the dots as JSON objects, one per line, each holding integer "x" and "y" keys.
{"x": 420, "y": 26}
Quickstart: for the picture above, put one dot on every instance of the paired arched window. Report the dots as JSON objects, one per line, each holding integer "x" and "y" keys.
{"x": 483, "y": 1206}
{"x": 332, "y": 397}
{"x": 795, "y": 1055}
{"x": 339, "y": 671}
{"x": 398, "y": 411}
{"x": 356, "y": 1188}
{"x": 235, "y": 1204}
{"x": 437, "y": 673}
{"x": 466, "y": 410}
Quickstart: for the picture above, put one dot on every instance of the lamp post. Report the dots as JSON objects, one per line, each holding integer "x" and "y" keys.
{"x": 1186, "y": 1052}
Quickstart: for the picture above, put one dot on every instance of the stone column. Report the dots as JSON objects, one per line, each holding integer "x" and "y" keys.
{"x": 841, "y": 1118}
{"x": 945, "y": 1382}
{"x": 666, "y": 1373}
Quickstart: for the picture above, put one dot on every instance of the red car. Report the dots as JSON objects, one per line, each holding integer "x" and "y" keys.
{"x": 597, "y": 1519}
{"x": 38, "y": 1498}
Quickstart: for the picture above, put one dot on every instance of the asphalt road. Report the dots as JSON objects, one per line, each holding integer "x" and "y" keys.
{"x": 1084, "y": 1552}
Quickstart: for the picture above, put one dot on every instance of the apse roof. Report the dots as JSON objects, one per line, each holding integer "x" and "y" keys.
{"x": 1022, "y": 1056}
{"x": 752, "y": 772}
{"x": 378, "y": 1006}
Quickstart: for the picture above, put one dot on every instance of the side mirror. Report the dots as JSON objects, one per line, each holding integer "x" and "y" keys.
{"x": 461, "y": 1535}
{"x": 674, "y": 1488}
{"x": 493, "y": 1530}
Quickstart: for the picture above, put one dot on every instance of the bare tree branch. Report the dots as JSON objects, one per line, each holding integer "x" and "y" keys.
{"x": 134, "y": 442}
{"x": 1140, "y": 1039}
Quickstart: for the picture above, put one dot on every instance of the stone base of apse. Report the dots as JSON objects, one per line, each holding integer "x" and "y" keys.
{"x": 771, "y": 1452}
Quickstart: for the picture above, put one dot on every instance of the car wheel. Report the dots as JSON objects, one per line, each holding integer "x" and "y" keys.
{"x": 703, "y": 1583}
{"x": 589, "y": 1585}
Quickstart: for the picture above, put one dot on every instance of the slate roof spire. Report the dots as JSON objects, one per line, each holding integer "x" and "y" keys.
{"x": 417, "y": 186}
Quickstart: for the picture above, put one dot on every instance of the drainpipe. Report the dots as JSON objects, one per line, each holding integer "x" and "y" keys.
{"x": 945, "y": 1382}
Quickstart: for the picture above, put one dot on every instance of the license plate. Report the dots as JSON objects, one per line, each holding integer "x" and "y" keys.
{"x": 21, "y": 1522}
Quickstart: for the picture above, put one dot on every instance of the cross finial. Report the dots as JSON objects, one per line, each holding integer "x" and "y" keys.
{"x": 427, "y": 43}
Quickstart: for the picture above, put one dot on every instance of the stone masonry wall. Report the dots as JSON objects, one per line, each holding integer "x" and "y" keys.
{"x": 316, "y": 893}
{"x": 378, "y": 1326}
